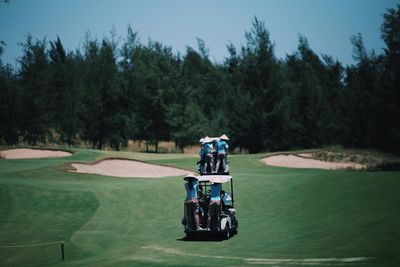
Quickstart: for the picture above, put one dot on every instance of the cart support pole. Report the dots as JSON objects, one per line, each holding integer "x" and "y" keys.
{"x": 232, "y": 191}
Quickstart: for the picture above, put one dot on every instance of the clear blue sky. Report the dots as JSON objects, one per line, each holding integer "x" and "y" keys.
{"x": 327, "y": 24}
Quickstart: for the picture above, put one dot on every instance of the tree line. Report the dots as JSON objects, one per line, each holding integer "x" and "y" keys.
{"x": 109, "y": 92}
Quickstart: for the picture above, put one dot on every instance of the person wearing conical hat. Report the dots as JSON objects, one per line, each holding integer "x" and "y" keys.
{"x": 214, "y": 208}
{"x": 222, "y": 152}
{"x": 192, "y": 203}
{"x": 208, "y": 151}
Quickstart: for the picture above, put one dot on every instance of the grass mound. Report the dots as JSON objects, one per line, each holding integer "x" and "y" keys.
{"x": 33, "y": 215}
{"x": 373, "y": 160}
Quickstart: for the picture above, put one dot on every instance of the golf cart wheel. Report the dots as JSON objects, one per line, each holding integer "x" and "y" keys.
{"x": 235, "y": 230}
{"x": 226, "y": 233}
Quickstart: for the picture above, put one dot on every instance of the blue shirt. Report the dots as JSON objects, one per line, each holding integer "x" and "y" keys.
{"x": 222, "y": 147}
{"x": 207, "y": 148}
{"x": 192, "y": 192}
{"x": 215, "y": 192}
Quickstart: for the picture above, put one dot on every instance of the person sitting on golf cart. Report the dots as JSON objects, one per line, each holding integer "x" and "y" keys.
{"x": 214, "y": 209}
{"x": 222, "y": 151}
{"x": 226, "y": 200}
{"x": 191, "y": 202}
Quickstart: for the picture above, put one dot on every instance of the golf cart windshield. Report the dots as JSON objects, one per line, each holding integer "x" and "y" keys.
{"x": 206, "y": 181}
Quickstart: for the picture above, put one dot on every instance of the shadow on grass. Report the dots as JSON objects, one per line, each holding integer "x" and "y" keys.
{"x": 203, "y": 237}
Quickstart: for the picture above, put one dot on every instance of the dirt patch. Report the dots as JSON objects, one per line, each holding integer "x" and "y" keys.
{"x": 293, "y": 161}
{"x": 26, "y": 153}
{"x": 128, "y": 169}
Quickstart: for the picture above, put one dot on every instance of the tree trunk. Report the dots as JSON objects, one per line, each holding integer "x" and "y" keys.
{"x": 100, "y": 145}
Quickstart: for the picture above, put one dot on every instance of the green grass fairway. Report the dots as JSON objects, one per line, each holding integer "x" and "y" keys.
{"x": 287, "y": 217}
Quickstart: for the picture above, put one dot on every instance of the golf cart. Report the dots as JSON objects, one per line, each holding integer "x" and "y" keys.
{"x": 207, "y": 165}
{"x": 224, "y": 226}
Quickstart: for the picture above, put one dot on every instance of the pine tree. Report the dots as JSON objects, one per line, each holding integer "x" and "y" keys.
{"x": 9, "y": 108}
{"x": 34, "y": 99}
{"x": 390, "y": 99}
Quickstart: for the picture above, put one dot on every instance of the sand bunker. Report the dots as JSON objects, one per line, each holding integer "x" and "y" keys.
{"x": 128, "y": 168}
{"x": 293, "y": 161}
{"x": 24, "y": 153}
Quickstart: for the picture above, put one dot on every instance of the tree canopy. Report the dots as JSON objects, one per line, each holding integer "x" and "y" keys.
{"x": 110, "y": 92}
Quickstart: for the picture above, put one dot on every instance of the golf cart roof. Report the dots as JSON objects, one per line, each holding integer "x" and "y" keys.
{"x": 209, "y": 139}
{"x": 215, "y": 178}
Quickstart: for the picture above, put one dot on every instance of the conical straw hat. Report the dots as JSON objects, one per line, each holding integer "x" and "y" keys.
{"x": 190, "y": 176}
{"x": 207, "y": 140}
{"x": 224, "y": 137}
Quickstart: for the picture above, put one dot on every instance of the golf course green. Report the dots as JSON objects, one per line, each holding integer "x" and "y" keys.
{"x": 287, "y": 217}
